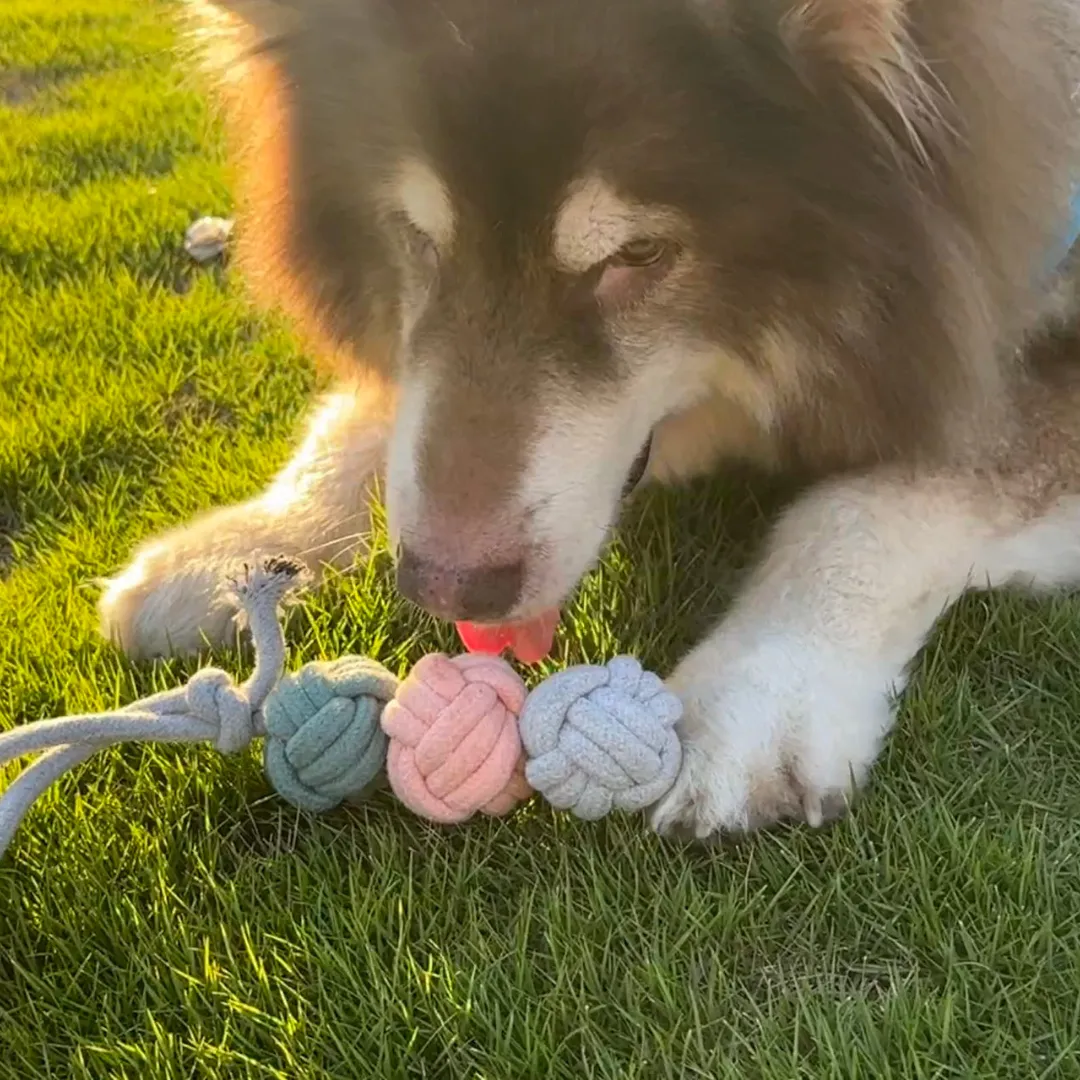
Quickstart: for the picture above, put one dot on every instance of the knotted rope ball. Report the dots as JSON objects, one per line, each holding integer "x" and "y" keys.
{"x": 599, "y": 738}
{"x": 454, "y": 744}
{"x": 323, "y": 740}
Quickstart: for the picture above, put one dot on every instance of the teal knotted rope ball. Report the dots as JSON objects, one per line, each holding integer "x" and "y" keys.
{"x": 323, "y": 740}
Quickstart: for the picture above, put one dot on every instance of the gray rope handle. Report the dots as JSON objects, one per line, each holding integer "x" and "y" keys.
{"x": 211, "y": 708}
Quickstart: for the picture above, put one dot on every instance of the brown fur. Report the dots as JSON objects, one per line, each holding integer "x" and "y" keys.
{"x": 898, "y": 168}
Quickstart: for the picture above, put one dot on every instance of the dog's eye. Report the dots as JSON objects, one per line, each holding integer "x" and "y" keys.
{"x": 643, "y": 252}
{"x": 633, "y": 271}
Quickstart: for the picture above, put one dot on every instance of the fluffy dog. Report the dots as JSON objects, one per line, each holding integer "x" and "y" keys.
{"x": 552, "y": 244}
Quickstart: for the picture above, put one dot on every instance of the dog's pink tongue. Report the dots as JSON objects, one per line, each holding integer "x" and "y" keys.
{"x": 529, "y": 641}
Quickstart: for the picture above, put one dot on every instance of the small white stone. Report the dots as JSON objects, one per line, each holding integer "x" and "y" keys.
{"x": 206, "y": 238}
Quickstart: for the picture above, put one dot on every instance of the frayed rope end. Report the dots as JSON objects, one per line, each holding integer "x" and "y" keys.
{"x": 268, "y": 584}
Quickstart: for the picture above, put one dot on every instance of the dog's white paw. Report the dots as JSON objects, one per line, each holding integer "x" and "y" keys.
{"x": 171, "y": 598}
{"x": 780, "y": 729}
{"x": 163, "y": 604}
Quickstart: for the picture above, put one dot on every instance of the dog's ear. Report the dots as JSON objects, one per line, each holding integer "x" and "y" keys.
{"x": 869, "y": 37}
{"x": 861, "y": 50}
{"x": 864, "y": 49}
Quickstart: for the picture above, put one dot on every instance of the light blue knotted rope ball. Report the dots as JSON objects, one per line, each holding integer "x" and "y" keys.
{"x": 323, "y": 740}
{"x": 601, "y": 738}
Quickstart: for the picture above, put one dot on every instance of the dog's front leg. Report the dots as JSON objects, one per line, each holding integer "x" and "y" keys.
{"x": 788, "y": 702}
{"x": 169, "y": 600}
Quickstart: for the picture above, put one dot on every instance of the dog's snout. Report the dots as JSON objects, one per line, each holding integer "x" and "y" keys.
{"x": 479, "y": 593}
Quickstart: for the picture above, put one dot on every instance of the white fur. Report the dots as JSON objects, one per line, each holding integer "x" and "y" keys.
{"x": 594, "y": 222}
{"x": 788, "y": 702}
{"x": 422, "y": 195}
{"x": 571, "y": 508}
{"x": 402, "y": 470}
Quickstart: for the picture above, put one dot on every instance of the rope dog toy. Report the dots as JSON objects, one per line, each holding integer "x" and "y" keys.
{"x": 454, "y": 743}
{"x": 459, "y": 736}
{"x": 600, "y": 738}
{"x": 323, "y": 743}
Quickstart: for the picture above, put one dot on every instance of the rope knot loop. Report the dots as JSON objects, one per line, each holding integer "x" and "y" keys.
{"x": 599, "y": 738}
{"x": 218, "y": 702}
{"x": 454, "y": 744}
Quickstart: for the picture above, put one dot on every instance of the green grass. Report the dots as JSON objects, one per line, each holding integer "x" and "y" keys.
{"x": 162, "y": 915}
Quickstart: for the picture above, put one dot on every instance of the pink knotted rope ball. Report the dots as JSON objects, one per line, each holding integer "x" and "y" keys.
{"x": 454, "y": 745}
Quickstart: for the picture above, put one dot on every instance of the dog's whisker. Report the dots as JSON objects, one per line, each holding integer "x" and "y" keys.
{"x": 340, "y": 544}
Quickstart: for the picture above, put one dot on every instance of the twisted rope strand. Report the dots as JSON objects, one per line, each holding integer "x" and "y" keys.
{"x": 210, "y": 708}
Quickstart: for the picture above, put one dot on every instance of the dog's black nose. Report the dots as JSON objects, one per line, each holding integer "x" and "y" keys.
{"x": 474, "y": 594}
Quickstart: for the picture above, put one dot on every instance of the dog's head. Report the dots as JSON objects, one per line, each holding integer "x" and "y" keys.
{"x": 577, "y": 232}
